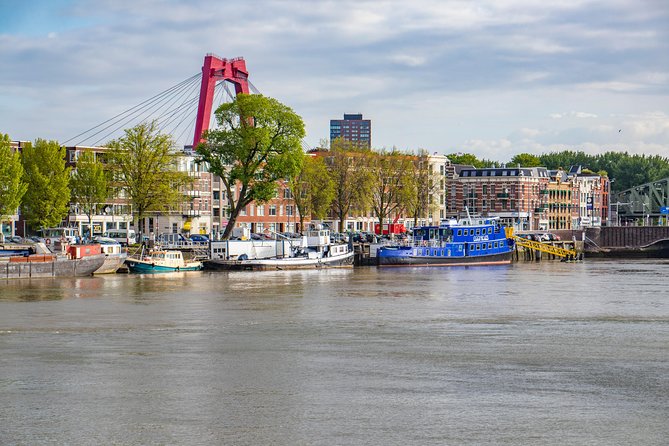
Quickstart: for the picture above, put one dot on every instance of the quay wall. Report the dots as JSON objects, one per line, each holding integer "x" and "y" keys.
{"x": 622, "y": 241}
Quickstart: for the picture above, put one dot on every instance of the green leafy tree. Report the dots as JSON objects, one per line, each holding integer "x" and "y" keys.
{"x": 313, "y": 189}
{"x": 422, "y": 186}
{"x": 525, "y": 160}
{"x": 47, "y": 199}
{"x": 390, "y": 172}
{"x": 12, "y": 185}
{"x": 469, "y": 159}
{"x": 88, "y": 184}
{"x": 348, "y": 168}
{"x": 257, "y": 143}
{"x": 143, "y": 165}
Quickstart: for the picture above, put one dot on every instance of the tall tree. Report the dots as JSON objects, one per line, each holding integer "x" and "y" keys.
{"x": 313, "y": 189}
{"x": 88, "y": 184}
{"x": 47, "y": 199}
{"x": 471, "y": 160}
{"x": 525, "y": 160}
{"x": 257, "y": 143}
{"x": 143, "y": 164}
{"x": 12, "y": 185}
{"x": 347, "y": 166}
{"x": 422, "y": 185}
{"x": 390, "y": 172}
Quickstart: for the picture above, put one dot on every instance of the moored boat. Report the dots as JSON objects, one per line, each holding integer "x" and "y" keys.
{"x": 78, "y": 260}
{"x": 114, "y": 253}
{"x": 161, "y": 261}
{"x": 313, "y": 251}
{"x": 471, "y": 241}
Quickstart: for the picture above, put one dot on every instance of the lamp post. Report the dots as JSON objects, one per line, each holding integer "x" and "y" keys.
{"x": 617, "y": 204}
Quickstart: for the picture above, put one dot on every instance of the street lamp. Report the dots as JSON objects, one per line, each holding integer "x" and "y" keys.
{"x": 617, "y": 204}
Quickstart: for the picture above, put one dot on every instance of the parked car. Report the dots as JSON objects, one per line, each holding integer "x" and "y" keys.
{"x": 199, "y": 238}
{"x": 548, "y": 237}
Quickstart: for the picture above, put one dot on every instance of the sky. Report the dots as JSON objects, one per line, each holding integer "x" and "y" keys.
{"x": 490, "y": 77}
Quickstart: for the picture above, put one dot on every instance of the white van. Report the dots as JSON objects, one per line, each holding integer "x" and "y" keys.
{"x": 52, "y": 236}
{"x": 124, "y": 236}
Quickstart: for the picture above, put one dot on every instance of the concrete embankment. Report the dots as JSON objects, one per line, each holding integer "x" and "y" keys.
{"x": 621, "y": 241}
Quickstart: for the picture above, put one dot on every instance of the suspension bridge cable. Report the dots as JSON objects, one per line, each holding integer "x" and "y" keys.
{"x": 141, "y": 114}
{"x": 253, "y": 87}
{"x": 126, "y": 111}
{"x": 120, "y": 122}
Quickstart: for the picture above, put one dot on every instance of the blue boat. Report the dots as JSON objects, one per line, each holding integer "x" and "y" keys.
{"x": 481, "y": 241}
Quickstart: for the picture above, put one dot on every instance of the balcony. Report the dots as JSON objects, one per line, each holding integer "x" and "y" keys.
{"x": 543, "y": 191}
{"x": 503, "y": 195}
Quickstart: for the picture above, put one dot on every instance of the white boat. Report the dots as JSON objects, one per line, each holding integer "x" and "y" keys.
{"x": 314, "y": 250}
{"x": 114, "y": 253}
{"x": 161, "y": 261}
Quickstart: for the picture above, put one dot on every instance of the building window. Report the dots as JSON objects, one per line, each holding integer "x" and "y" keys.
{"x": 260, "y": 210}
{"x": 289, "y": 210}
{"x": 272, "y": 209}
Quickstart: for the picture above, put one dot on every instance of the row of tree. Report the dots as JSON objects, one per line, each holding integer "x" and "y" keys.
{"x": 140, "y": 166}
{"x": 627, "y": 170}
{"x": 257, "y": 145}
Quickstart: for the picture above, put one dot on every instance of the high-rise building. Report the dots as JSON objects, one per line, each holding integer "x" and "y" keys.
{"x": 352, "y": 128}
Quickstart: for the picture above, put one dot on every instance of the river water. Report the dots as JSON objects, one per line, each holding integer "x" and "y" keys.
{"x": 544, "y": 353}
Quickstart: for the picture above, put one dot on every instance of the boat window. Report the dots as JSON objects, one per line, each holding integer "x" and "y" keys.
{"x": 459, "y": 232}
{"x": 489, "y": 230}
{"x": 478, "y": 232}
{"x": 466, "y": 231}
{"x": 489, "y": 245}
{"x": 495, "y": 245}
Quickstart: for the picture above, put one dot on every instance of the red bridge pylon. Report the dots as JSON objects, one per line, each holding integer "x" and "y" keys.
{"x": 213, "y": 70}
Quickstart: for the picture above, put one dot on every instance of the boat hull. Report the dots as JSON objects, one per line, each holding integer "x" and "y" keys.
{"x": 406, "y": 258}
{"x": 138, "y": 266}
{"x": 287, "y": 263}
{"x": 56, "y": 268}
{"x": 112, "y": 264}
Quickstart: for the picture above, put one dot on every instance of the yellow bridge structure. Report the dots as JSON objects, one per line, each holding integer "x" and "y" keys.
{"x": 542, "y": 247}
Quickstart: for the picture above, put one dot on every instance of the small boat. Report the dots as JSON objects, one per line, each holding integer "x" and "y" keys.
{"x": 115, "y": 256}
{"x": 161, "y": 261}
{"x": 481, "y": 241}
{"x": 314, "y": 250}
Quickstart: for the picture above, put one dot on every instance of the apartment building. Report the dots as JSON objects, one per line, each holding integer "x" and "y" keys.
{"x": 514, "y": 194}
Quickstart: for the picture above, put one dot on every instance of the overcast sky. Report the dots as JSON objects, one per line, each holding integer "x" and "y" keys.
{"x": 489, "y": 77}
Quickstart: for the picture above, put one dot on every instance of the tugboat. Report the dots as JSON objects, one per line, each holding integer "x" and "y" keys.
{"x": 471, "y": 241}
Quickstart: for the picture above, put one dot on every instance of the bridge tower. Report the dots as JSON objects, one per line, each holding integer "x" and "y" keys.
{"x": 216, "y": 69}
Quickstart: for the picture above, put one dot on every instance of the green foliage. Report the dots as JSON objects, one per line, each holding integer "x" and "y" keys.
{"x": 628, "y": 170}
{"x": 348, "y": 168}
{"x": 390, "y": 173}
{"x": 143, "y": 165}
{"x": 469, "y": 159}
{"x": 313, "y": 189}
{"x": 257, "y": 143}
{"x": 12, "y": 184}
{"x": 47, "y": 199}
{"x": 525, "y": 160}
{"x": 88, "y": 184}
{"x": 421, "y": 187}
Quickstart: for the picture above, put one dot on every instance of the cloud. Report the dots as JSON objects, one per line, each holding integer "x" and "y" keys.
{"x": 572, "y": 114}
{"x": 499, "y": 76}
